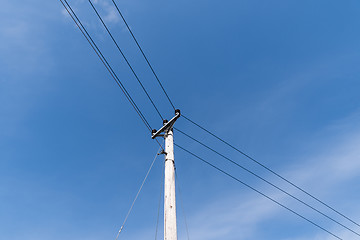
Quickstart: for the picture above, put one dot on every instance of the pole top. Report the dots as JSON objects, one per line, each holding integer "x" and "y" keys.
{"x": 167, "y": 125}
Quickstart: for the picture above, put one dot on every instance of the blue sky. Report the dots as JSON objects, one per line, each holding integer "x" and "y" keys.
{"x": 278, "y": 79}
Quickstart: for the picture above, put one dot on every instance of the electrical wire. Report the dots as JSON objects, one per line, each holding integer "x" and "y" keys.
{"x": 142, "y": 52}
{"x": 259, "y": 192}
{"x": 268, "y": 182}
{"x": 262, "y": 165}
{"x": 278, "y": 175}
{"x": 137, "y": 194}
{"x": 107, "y": 65}
{"x": 113, "y": 74}
{"x": 271, "y": 171}
{"x": 104, "y": 61}
{"x": 126, "y": 60}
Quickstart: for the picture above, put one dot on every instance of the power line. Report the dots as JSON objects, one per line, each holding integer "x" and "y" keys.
{"x": 262, "y": 165}
{"x": 126, "y": 60}
{"x": 142, "y": 52}
{"x": 113, "y": 74}
{"x": 259, "y": 192}
{"x": 104, "y": 61}
{"x": 268, "y": 182}
{"x": 271, "y": 171}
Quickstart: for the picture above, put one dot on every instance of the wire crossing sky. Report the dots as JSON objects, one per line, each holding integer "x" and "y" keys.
{"x": 103, "y": 59}
{"x": 283, "y": 191}
{"x": 276, "y": 80}
{"x": 271, "y": 199}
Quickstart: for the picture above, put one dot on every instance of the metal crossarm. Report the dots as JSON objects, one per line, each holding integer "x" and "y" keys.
{"x": 167, "y": 125}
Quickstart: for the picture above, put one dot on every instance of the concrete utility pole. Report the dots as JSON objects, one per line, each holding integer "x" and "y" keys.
{"x": 170, "y": 232}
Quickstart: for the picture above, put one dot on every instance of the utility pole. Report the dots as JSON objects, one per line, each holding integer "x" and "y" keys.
{"x": 170, "y": 232}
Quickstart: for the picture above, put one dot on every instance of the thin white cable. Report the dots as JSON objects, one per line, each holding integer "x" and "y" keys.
{"x": 137, "y": 195}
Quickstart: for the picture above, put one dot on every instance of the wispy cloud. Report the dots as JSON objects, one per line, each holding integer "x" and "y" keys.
{"x": 110, "y": 14}
{"x": 106, "y": 9}
{"x": 25, "y": 52}
{"x": 233, "y": 218}
{"x": 24, "y": 34}
{"x": 88, "y": 18}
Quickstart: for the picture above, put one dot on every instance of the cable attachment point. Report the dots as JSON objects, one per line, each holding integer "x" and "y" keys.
{"x": 162, "y": 152}
{"x": 167, "y": 125}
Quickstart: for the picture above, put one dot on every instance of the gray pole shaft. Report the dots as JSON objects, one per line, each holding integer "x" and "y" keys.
{"x": 170, "y": 232}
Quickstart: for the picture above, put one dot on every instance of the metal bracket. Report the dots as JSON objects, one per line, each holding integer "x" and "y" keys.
{"x": 167, "y": 125}
{"x": 162, "y": 152}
